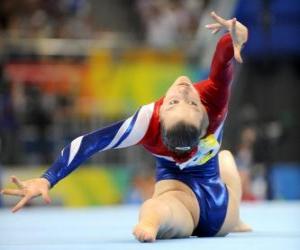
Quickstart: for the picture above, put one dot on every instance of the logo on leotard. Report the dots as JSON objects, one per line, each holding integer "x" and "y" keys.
{"x": 208, "y": 148}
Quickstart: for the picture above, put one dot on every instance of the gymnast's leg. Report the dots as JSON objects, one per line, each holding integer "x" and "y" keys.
{"x": 168, "y": 214}
{"x": 230, "y": 176}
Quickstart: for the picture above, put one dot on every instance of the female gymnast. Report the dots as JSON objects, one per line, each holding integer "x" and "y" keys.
{"x": 198, "y": 189}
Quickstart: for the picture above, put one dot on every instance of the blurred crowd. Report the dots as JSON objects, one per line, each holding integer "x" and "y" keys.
{"x": 160, "y": 23}
{"x": 170, "y": 23}
{"x": 46, "y": 19}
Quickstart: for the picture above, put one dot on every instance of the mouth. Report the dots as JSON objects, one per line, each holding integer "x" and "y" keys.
{"x": 184, "y": 84}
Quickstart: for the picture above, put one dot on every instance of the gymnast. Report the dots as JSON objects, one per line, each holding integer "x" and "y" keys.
{"x": 198, "y": 189}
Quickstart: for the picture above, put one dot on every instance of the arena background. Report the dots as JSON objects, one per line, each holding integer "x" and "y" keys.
{"x": 71, "y": 66}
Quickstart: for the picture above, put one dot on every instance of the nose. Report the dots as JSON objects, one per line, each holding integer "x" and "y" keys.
{"x": 183, "y": 90}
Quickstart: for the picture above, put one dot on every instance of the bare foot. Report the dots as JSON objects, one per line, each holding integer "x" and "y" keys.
{"x": 242, "y": 227}
{"x": 144, "y": 232}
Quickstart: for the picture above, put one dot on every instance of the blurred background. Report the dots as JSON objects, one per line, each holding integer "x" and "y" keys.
{"x": 68, "y": 67}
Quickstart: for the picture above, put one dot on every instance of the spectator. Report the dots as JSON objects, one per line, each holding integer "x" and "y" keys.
{"x": 244, "y": 160}
{"x": 167, "y": 23}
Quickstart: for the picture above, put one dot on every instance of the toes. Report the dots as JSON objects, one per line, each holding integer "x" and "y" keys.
{"x": 142, "y": 235}
{"x": 147, "y": 237}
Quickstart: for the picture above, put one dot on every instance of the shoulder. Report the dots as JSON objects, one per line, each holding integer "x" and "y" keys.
{"x": 143, "y": 116}
{"x": 151, "y": 114}
{"x": 146, "y": 111}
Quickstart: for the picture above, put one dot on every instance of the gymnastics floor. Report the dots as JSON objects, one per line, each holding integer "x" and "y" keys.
{"x": 276, "y": 226}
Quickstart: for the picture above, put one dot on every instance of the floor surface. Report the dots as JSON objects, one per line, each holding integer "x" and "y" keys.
{"x": 276, "y": 226}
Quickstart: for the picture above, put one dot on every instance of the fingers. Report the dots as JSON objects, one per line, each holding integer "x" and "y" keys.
{"x": 219, "y": 19}
{"x": 237, "y": 49}
{"x": 233, "y": 20}
{"x": 16, "y": 181}
{"x": 214, "y": 27}
{"x": 46, "y": 197}
{"x": 215, "y": 31}
{"x": 21, "y": 204}
{"x": 233, "y": 27}
{"x": 16, "y": 192}
{"x": 237, "y": 55}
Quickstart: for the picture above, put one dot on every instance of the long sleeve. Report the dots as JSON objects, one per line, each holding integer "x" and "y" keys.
{"x": 221, "y": 67}
{"x": 119, "y": 135}
{"x": 215, "y": 91}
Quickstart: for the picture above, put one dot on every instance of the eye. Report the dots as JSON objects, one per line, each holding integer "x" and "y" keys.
{"x": 172, "y": 102}
{"x": 192, "y": 103}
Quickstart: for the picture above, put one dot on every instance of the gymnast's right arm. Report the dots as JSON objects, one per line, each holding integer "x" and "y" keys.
{"x": 119, "y": 135}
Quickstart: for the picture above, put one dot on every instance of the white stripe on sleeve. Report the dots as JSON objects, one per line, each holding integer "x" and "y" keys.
{"x": 75, "y": 145}
{"x": 119, "y": 134}
{"x": 140, "y": 126}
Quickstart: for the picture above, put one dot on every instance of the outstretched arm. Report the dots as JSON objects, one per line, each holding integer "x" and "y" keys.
{"x": 119, "y": 135}
{"x": 215, "y": 91}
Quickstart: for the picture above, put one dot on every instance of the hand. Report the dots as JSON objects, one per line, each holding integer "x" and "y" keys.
{"x": 28, "y": 190}
{"x": 238, "y": 32}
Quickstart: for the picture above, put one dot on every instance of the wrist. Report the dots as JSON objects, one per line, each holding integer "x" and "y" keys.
{"x": 46, "y": 182}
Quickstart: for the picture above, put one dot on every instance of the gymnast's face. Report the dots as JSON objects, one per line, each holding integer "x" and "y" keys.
{"x": 182, "y": 104}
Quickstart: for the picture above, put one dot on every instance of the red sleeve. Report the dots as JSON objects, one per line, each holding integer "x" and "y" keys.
{"x": 214, "y": 92}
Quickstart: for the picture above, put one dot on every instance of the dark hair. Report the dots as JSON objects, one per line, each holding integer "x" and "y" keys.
{"x": 180, "y": 138}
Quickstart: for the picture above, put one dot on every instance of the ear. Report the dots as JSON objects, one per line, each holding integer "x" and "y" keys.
{"x": 204, "y": 123}
{"x": 160, "y": 116}
{"x": 161, "y": 113}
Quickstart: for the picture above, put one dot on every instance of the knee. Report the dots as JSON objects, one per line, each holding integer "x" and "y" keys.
{"x": 226, "y": 157}
{"x": 225, "y": 153}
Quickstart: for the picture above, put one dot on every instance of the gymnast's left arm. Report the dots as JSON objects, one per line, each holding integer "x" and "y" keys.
{"x": 119, "y": 135}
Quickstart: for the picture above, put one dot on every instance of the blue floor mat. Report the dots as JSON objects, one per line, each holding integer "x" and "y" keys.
{"x": 276, "y": 226}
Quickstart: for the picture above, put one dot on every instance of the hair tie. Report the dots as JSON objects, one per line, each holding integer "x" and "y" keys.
{"x": 183, "y": 148}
